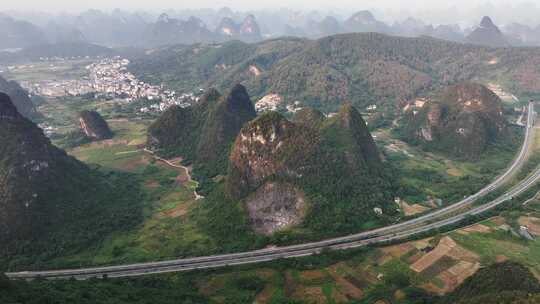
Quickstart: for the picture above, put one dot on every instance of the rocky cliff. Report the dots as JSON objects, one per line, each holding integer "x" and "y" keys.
{"x": 94, "y": 126}
{"x": 462, "y": 121}
{"x": 287, "y": 172}
{"x": 248, "y": 30}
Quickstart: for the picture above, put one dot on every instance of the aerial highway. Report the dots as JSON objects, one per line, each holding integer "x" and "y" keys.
{"x": 438, "y": 219}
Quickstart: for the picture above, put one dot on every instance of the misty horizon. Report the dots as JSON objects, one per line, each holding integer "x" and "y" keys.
{"x": 463, "y": 13}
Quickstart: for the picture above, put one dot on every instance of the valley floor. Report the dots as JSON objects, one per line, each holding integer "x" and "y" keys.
{"x": 171, "y": 228}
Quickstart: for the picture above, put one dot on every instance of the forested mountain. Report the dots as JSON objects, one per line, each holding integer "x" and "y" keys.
{"x": 520, "y": 34}
{"x": 363, "y": 68}
{"x": 325, "y": 174}
{"x": 168, "y": 30}
{"x": 203, "y": 134}
{"x": 506, "y": 282}
{"x": 488, "y": 34}
{"x": 461, "y": 121}
{"x": 51, "y": 203}
{"x": 57, "y": 33}
{"x": 19, "y": 97}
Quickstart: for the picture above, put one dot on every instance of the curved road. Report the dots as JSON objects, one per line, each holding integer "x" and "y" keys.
{"x": 394, "y": 232}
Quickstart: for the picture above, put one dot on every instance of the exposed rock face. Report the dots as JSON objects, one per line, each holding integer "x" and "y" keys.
{"x": 19, "y": 97}
{"x": 261, "y": 149}
{"x": 228, "y": 27}
{"x": 248, "y": 30}
{"x": 276, "y": 206}
{"x": 488, "y": 34}
{"x": 94, "y": 126}
{"x": 277, "y": 166}
{"x": 203, "y": 133}
{"x": 31, "y": 171}
{"x": 462, "y": 121}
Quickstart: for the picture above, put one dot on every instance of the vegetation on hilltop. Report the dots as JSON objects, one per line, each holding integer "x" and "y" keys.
{"x": 53, "y": 204}
{"x": 362, "y": 68}
{"x": 203, "y": 134}
{"x": 337, "y": 166}
{"x": 506, "y": 282}
{"x": 460, "y": 121}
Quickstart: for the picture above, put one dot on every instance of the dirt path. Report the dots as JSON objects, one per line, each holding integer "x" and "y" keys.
{"x": 169, "y": 163}
{"x": 519, "y": 121}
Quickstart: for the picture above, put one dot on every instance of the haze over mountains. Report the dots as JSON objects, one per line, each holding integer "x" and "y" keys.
{"x": 122, "y": 28}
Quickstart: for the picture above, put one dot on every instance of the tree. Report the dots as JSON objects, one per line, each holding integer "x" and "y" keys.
{"x": 5, "y": 284}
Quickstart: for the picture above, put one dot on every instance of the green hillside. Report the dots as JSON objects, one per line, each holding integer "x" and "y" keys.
{"x": 460, "y": 121}
{"x": 279, "y": 169}
{"x": 52, "y": 204}
{"x": 202, "y": 135}
{"x": 363, "y": 68}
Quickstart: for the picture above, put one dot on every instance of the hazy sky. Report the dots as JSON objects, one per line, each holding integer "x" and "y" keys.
{"x": 74, "y": 5}
{"x": 434, "y": 11}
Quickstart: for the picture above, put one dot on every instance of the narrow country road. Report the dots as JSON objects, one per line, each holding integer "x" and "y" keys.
{"x": 169, "y": 163}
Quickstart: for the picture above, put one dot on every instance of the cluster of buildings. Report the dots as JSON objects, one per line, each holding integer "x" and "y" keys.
{"x": 109, "y": 78}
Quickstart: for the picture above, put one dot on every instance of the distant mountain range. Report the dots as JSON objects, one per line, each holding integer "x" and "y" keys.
{"x": 123, "y": 29}
{"x": 18, "y": 34}
{"x": 59, "y": 50}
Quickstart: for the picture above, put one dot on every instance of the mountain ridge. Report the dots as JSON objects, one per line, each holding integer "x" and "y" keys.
{"x": 364, "y": 69}
{"x": 203, "y": 133}
{"x": 487, "y": 34}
